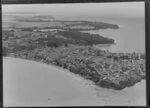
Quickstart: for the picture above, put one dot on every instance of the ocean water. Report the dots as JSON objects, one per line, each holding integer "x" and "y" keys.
{"x": 130, "y": 37}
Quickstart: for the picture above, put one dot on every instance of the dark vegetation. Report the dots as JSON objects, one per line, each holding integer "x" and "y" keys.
{"x": 96, "y": 25}
{"x": 101, "y": 67}
{"x": 27, "y": 29}
{"x": 74, "y": 37}
{"x": 88, "y": 38}
{"x": 57, "y": 39}
{"x": 45, "y": 17}
{"x": 78, "y": 24}
{"x": 73, "y": 50}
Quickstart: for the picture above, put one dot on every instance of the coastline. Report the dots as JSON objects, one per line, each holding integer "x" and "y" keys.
{"x": 101, "y": 96}
{"x": 65, "y": 71}
{"x": 42, "y": 84}
{"x": 74, "y": 57}
{"x": 131, "y": 66}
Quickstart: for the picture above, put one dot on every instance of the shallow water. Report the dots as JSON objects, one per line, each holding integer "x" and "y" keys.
{"x": 28, "y": 83}
{"x": 132, "y": 96}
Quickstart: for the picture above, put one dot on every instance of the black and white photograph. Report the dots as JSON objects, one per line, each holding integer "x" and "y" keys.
{"x": 74, "y": 54}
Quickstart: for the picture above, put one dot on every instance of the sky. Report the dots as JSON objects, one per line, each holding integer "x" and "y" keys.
{"x": 91, "y": 10}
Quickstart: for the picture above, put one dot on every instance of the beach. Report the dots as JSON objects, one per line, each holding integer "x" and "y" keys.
{"x": 28, "y": 83}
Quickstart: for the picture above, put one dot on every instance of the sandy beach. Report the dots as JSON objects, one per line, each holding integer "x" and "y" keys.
{"x": 28, "y": 83}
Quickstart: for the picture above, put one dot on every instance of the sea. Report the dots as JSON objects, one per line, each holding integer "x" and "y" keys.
{"x": 130, "y": 37}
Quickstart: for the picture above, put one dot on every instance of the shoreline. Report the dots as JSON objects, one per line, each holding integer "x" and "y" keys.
{"x": 72, "y": 90}
{"x": 65, "y": 71}
{"x": 130, "y": 67}
{"x": 103, "y": 96}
